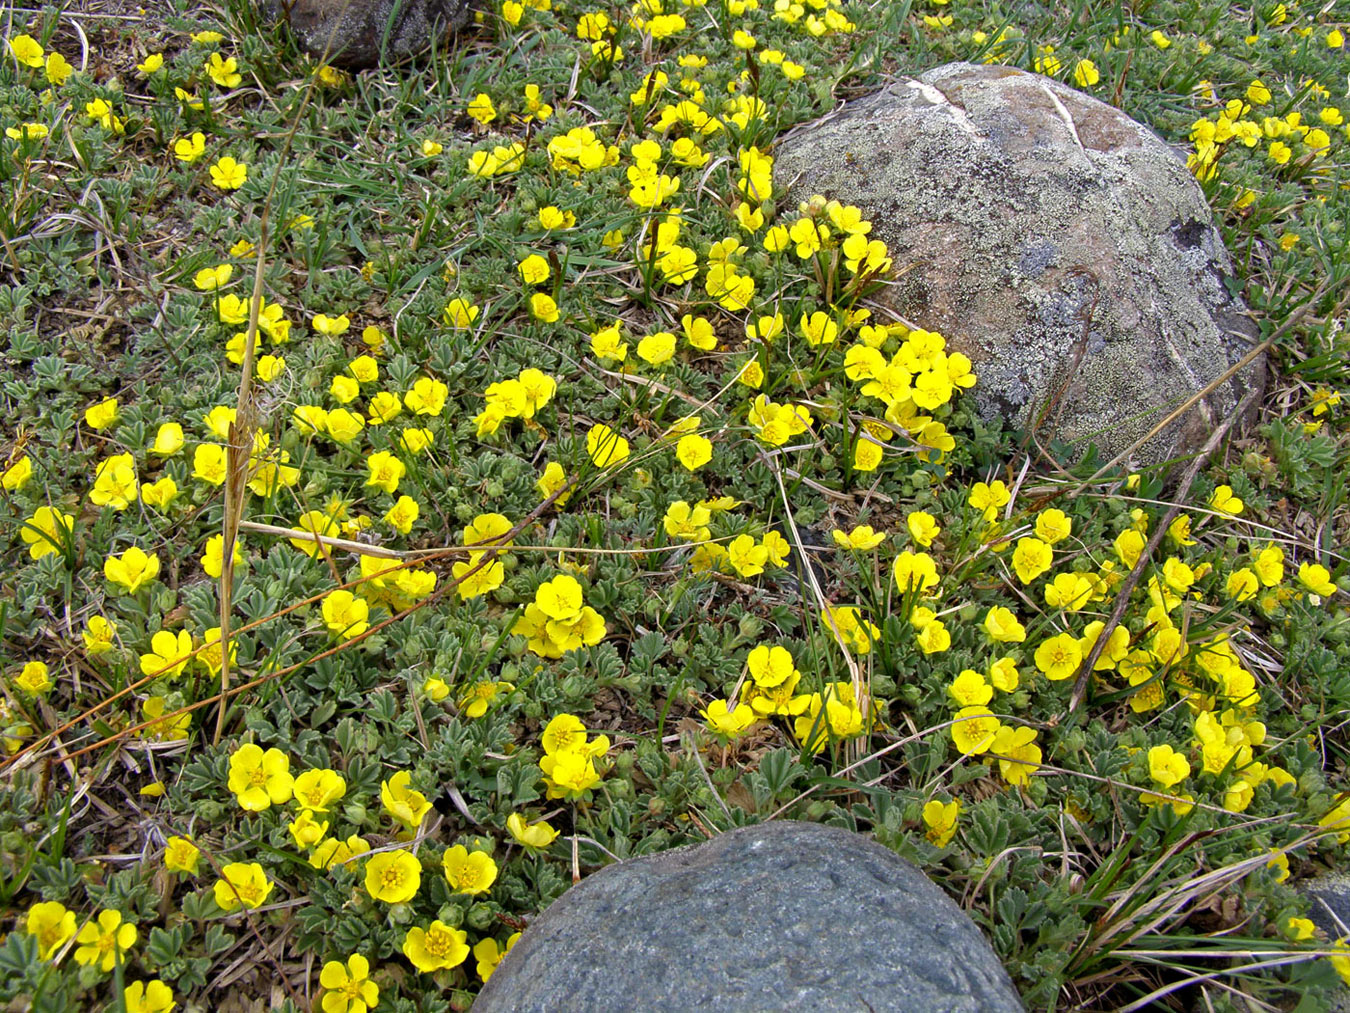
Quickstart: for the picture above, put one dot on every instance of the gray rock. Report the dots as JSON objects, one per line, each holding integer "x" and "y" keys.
{"x": 1034, "y": 225}
{"x": 782, "y": 916}
{"x": 361, "y": 33}
{"x": 1329, "y": 892}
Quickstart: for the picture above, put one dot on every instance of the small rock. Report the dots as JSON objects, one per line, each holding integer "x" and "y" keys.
{"x": 1036, "y": 228}
{"x": 1329, "y": 892}
{"x": 781, "y": 916}
{"x": 362, "y": 33}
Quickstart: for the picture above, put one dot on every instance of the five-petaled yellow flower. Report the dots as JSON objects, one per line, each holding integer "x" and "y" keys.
{"x": 347, "y": 987}
{"x": 104, "y": 942}
{"x": 227, "y": 174}
{"x": 393, "y": 876}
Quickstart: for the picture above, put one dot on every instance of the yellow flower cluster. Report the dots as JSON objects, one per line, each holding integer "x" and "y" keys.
{"x": 568, "y": 763}
{"x": 520, "y": 397}
{"x": 558, "y": 621}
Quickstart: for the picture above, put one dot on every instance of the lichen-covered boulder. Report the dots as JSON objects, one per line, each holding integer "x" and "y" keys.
{"x": 782, "y": 916}
{"x": 362, "y": 33}
{"x": 1052, "y": 239}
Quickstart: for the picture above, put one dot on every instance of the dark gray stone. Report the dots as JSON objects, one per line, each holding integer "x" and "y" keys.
{"x": 1034, "y": 226}
{"x": 1329, "y": 892}
{"x": 782, "y": 916}
{"x": 362, "y": 33}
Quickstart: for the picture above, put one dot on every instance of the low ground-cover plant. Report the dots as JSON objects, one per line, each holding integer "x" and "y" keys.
{"x": 562, "y": 496}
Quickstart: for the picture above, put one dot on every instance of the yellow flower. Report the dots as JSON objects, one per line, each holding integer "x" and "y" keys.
{"x": 260, "y": 779}
{"x": 460, "y": 313}
{"x": 1269, "y": 565}
{"x": 345, "y": 614}
{"x": 1018, "y": 753}
{"x": 476, "y": 578}
{"x": 657, "y": 349}
{"x": 393, "y": 876}
{"x": 1085, "y": 74}
{"x": 385, "y": 471}
{"x": 104, "y": 942}
{"x": 189, "y": 149}
{"x": 1031, "y": 558}
{"x": 468, "y": 872}
{"x": 242, "y": 884}
{"x": 101, "y": 415}
{"x": 17, "y": 475}
{"x": 435, "y": 948}
{"x": 693, "y": 451}
{"x": 746, "y": 557}
{"x": 552, "y": 217}
{"x": 168, "y": 440}
{"x": 1297, "y": 929}
{"x": 270, "y": 367}
{"x": 1069, "y": 591}
{"x": 403, "y": 514}
{"x": 159, "y": 494}
{"x": 318, "y": 789}
{"x": 58, "y": 69}
{"x": 27, "y": 50}
{"x": 1167, "y": 767}
{"x": 1317, "y": 579}
{"x": 861, "y": 538}
{"x": 148, "y": 997}
{"x": 941, "y": 819}
{"x": 1053, "y": 526}
{"x": 1003, "y": 675}
{"x": 1059, "y": 656}
{"x": 534, "y": 269}
{"x": 989, "y": 498}
{"x": 922, "y": 527}
{"x": 914, "y": 570}
{"x": 343, "y": 425}
{"x": 481, "y": 109}
{"x": 169, "y": 654}
{"x": 227, "y": 174}
{"x": 1003, "y": 626}
{"x": 33, "y": 679}
{"x": 115, "y": 482}
{"x": 974, "y": 730}
{"x": 488, "y": 956}
{"x": 181, "y": 855}
{"x": 431, "y": 148}
{"x": 98, "y": 635}
{"x": 348, "y": 988}
{"x": 153, "y": 62}
{"x": 569, "y": 774}
{"x": 51, "y": 925}
{"x": 333, "y": 852}
{"x": 969, "y": 689}
{"x": 404, "y": 804}
{"x": 209, "y": 462}
{"x": 1223, "y": 500}
{"x": 530, "y": 835}
{"x": 131, "y": 569}
{"x": 48, "y": 530}
{"x": 543, "y": 308}
{"x": 605, "y": 446}
{"x": 224, "y": 71}
{"x": 728, "y": 722}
